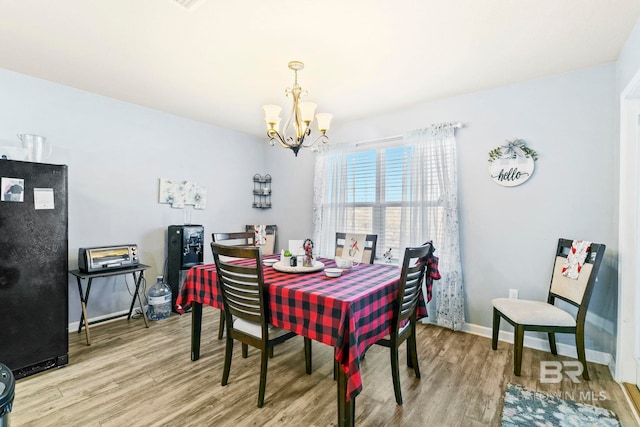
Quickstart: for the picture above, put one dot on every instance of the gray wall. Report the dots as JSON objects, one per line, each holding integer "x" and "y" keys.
{"x": 116, "y": 153}
{"x": 508, "y": 235}
{"x": 293, "y": 195}
{"x": 629, "y": 60}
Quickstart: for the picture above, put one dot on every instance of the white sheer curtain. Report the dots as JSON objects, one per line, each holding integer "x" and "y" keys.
{"x": 404, "y": 191}
{"x": 330, "y": 196}
{"x": 434, "y": 213}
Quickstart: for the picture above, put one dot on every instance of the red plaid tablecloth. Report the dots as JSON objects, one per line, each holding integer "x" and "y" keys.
{"x": 349, "y": 313}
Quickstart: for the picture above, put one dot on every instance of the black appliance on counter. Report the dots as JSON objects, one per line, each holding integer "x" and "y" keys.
{"x": 185, "y": 249}
{"x": 34, "y": 290}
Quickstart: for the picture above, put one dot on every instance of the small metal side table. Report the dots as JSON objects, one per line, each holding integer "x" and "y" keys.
{"x": 84, "y": 296}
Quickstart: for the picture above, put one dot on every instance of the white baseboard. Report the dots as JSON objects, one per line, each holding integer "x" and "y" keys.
{"x": 601, "y": 323}
{"x": 73, "y": 327}
{"x": 593, "y": 356}
{"x": 541, "y": 344}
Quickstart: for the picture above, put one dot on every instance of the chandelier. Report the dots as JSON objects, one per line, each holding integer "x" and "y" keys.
{"x": 299, "y": 119}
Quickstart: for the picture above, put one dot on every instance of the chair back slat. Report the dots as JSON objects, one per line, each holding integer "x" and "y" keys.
{"x": 239, "y": 238}
{"x": 241, "y": 285}
{"x": 410, "y": 285}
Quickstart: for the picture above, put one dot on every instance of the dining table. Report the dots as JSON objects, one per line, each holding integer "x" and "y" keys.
{"x": 350, "y": 312}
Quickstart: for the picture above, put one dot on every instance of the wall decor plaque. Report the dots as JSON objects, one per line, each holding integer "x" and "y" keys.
{"x": 512, "y": 164}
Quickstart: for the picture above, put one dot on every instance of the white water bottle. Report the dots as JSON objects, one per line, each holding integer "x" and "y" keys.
{"x": 159, "y": 298}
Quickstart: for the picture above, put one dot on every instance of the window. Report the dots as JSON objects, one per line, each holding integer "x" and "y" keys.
{"x": 406, "y": 193}
{"x": 369, "y": 190}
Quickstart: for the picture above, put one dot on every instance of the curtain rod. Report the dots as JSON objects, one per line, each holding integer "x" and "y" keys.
{"x": 379, "y": 140}
{"x": 456, "y": 125}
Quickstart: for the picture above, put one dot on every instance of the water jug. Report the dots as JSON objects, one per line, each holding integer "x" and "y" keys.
{"x": 37, "y": 147}
{"x": 159, "y": 298}
{"x": 7, "y": 393}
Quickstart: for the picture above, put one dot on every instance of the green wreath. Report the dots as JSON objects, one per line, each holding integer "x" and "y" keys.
{"x": 496, "y": 153}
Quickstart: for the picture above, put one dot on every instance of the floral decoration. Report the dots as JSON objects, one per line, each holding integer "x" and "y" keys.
{"x": 514, "y": 148}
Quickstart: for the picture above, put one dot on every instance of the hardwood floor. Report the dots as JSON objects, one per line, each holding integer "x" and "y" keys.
{"x": 133, "y": 376}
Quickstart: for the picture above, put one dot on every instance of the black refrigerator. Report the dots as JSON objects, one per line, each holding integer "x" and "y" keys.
{"x": 34, "y": 292}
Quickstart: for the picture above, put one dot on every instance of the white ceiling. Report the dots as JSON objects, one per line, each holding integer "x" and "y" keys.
{"x": 220, "y": 61}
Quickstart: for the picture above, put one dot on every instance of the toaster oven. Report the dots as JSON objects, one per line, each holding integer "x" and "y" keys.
{"x": 101, "y": 258}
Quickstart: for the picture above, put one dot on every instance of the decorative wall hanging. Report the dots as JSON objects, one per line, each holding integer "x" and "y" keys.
{"x": 182, "y": 193}
{"x": 262, "y": 191}
{"x": 512, "y": 164}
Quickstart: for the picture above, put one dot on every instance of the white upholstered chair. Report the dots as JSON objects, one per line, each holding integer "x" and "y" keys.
{"x": 527, "y": 315}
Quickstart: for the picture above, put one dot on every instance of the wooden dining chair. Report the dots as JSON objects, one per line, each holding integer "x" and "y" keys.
{"x": 237, "y": 238}
{"x": 369, "y": 251}
{"x": 527, "y": 315}
{"x": 368, "y": 256}
{"x": 403, "y": 324}
{"x": 243, "y": 298}
{"x": 269, "y": 244}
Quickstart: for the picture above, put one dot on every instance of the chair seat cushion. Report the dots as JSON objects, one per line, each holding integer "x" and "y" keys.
{"x": 402, "y": 329}
{"x": 255, "y": 329}
{"x": 527, "y": 312}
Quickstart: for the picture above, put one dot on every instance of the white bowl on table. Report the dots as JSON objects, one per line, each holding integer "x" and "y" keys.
{"x": 345, "y": 263}
{"x": 333, "y": 272}
{"x": 269, "y": 262}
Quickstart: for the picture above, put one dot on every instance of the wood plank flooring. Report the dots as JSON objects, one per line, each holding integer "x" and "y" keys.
{"x": 634, "y": 396}
{"x": 134, "y": 376}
